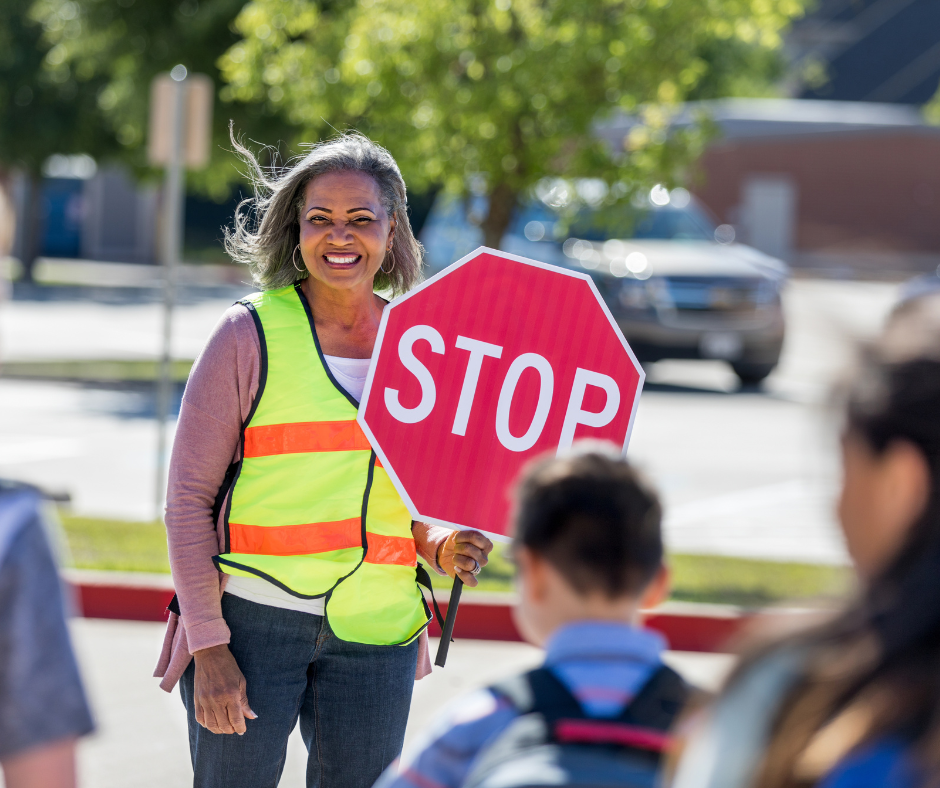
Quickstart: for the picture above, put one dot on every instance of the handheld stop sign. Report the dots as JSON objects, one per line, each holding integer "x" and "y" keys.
{"x": 493, "y": 361}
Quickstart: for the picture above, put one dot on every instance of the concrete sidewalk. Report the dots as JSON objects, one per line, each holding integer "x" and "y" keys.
{"x": 142, "y": 740}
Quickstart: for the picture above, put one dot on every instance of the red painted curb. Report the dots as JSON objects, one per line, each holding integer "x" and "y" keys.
{"x": 704, "y": 631}
{"x": 697, "y": 632}
{"x": 479, "y": 620}
{"x": 130, "y": 603}
{"x": 704, "y": 628}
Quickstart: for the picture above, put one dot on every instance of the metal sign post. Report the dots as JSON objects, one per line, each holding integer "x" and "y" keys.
{"x": 180, "y": 121}
{"x": 172, "y": 232}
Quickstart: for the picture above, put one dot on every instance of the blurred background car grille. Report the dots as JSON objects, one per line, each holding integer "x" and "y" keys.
{"x": 688, "y": 294}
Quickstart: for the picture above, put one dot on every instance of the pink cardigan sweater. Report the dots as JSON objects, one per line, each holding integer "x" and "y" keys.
{"x": 218, "y": 398}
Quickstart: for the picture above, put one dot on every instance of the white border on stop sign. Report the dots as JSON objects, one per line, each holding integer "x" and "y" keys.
{"x": 367, "y": 389}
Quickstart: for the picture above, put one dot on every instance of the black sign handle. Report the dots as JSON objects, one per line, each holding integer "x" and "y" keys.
{"x": 447, "y": 631}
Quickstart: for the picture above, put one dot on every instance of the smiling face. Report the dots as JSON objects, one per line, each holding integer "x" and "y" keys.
{"x": 345, "y": 231}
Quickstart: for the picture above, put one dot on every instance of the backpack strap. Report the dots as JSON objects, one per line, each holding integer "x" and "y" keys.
{"x": 539, "y": 691}
{"x": 659, "y": 701}
{"x": 517, "y": 691}
{"x": 643, "y": 725}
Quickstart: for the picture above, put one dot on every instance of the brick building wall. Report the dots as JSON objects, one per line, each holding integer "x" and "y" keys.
{"x": 877, "y": 193}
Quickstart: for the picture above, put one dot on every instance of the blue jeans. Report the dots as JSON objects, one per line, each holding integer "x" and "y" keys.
{"x": 352, "y": 701}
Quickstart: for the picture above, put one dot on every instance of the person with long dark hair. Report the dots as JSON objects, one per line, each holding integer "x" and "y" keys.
{"x": 855, "y": 701}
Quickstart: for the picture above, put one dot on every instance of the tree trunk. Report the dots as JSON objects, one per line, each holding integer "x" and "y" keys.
{"x": 32, "y": 226}
{"x": 503, "y": 199}
{"x": 7, "y": 214}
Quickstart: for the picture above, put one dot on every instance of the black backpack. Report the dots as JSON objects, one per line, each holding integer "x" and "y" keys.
{"x": 554, "y": 743}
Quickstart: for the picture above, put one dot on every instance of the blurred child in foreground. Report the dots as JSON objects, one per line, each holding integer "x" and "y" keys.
{"x": 855, "y": 702}
{"x": 43, "y": 709}
{"x": 589, "y": 554}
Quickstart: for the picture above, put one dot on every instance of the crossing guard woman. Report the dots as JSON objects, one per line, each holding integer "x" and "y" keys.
{"x": 293, "y": 557}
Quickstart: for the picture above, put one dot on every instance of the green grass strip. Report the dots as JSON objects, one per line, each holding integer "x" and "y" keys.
{"x": 751, "y": 583}
{"x": 141, "y": 547}
{"x": 98, "y": 371}
{"x": 116, "y": 545}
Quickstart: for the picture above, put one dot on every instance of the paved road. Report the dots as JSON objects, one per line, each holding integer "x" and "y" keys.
{"x": 98, "y": 323}
{"x": 756, "y": 474}
{"x": 141, "y": 740}
{"x": 742, "y": 473}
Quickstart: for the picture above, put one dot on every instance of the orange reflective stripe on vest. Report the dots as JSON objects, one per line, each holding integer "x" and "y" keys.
{"x": 303, "y": 437}
{"x": 320, "y": 538}
{"x": 295, "y": 539}
{"x": 398, "y": 550}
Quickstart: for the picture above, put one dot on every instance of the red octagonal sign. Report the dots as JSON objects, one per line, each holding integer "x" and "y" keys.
{"x": 487, "y": 364}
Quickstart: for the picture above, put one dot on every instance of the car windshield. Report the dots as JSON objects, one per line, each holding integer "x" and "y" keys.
{"x": 539, "y": 222}
{"x": 453, "y": 229}
{"x": 666, "y": 224}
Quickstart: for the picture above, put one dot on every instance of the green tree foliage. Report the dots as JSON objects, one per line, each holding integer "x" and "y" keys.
{"x": 118, "y": 46}
{"x": 506, "y": 92}
{"x": 43, "y": 113}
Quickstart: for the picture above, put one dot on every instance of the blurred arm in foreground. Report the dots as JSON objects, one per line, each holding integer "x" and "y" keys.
{"x": 43, "y": 709}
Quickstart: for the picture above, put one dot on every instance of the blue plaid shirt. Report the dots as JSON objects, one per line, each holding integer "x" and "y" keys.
{"x": 603, "y": 664}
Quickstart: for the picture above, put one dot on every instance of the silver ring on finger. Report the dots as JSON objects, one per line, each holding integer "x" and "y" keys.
{"x": 477, "y": 568}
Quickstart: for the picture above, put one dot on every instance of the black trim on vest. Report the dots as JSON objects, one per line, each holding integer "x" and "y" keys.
{"x": 227, "y": 482}
{"x": 423, "y": 578}
{"x": 365, "y": 505}
{"x": 220, "y": 562}
{"x": 316, "y": 341}
{"x": 414, "y": 635}
{"x": 263, "y": 374}
{"x": 234, "y": 471}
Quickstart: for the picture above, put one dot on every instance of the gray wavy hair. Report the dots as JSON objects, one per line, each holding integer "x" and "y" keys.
{"x": 266, "y": 228}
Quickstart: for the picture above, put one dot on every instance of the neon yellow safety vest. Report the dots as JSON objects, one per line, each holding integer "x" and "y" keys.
{"x": 311, "y": 510}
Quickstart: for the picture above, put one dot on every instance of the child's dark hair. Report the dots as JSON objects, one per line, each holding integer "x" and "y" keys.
{"x": 594, "y": 518}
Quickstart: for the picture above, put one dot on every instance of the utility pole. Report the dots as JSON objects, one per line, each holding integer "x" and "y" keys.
{"x": 172, "y": 242}
{"x": 180, "y": 121}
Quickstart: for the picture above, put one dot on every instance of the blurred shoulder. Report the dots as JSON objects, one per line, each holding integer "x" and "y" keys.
{"x": 445, "y": 753}
{"x": 19, "y": 507}
{"x": 767, "y": 676}
{"x": 887, "y": 763}
{"x": 466, "y": 724}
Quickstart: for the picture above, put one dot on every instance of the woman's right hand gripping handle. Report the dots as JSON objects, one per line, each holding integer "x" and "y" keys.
{"x": 220, "y": 691}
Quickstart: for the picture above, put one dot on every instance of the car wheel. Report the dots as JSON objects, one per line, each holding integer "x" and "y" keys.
{"x": 752, "y": 374}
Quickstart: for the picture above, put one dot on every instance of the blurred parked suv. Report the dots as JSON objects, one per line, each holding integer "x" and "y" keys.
{"x": 676, "y": 283}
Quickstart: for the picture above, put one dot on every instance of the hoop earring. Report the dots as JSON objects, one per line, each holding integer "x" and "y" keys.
{"x": 293, "y": 259}
{"x": 390, "y": 268}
